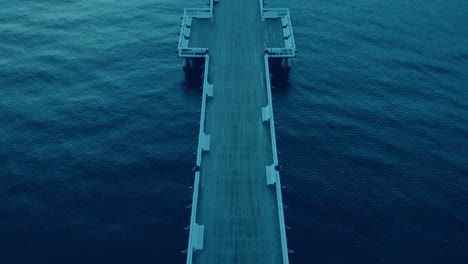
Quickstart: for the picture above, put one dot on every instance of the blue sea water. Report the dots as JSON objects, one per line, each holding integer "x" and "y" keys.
{"x": 98, "y": 127}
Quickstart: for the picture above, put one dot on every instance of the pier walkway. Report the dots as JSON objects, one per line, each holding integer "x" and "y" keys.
{"x": 237, "y": 212}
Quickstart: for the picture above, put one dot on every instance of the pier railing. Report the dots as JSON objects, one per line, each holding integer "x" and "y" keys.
{"x": 274, "y": 167}
{"x": 197, "y": 231}
{"x": 289, "y": 49}
{"x": 280, "y": 52}
{"x": 183, "y": 48}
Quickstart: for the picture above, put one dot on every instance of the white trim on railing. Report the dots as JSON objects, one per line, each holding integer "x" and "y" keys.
{"x": 293, "y": 42}
{"x": 279, "y": 199}
{"x": 193, "y": 216}
{"x": 201, "y": 135}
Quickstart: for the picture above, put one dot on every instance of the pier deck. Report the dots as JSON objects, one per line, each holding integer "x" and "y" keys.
{"x": 237, "y": 216}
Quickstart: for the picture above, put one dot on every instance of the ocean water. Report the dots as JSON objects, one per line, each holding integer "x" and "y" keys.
{"x": 98, "y": 127}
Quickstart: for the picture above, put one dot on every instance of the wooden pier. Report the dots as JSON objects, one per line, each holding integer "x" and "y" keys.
{"x": 237, "y": 211}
